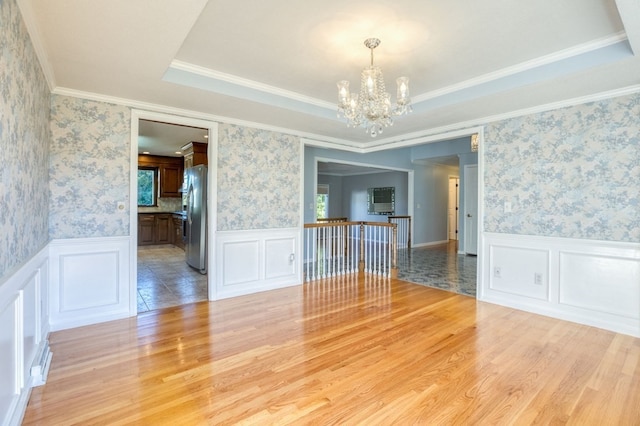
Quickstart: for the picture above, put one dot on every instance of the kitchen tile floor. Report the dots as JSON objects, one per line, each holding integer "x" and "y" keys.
{"x": 439, "y": 266}
{"x": 165, "y": 279}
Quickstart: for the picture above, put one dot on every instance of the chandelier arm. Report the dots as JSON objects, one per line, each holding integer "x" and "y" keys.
{"x": 372, "y": 108}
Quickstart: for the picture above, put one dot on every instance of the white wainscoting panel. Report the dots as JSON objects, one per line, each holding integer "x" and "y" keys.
{"x": 256, "y": 260}
{"x": 89, "y": 281}
{"x": 23, "y": 334}
{"x": 241, "y": 263}
{"x": 521, "y": 271}
{"x": 585, "y": 281}
{"x": 11, "y": 365}
{"x": 600, "y": 283}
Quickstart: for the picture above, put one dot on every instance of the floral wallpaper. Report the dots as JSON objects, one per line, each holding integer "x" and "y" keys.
{"x": 572, "y": 172}
{"x": 89, "y": 169}
{"x": 24, "y": 144}
{"x": 258, "y": 179}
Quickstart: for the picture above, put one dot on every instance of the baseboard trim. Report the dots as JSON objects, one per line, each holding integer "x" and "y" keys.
{"x": 429, "y": 244}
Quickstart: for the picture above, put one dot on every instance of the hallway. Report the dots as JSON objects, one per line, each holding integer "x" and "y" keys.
{"x": 440, "y": 267}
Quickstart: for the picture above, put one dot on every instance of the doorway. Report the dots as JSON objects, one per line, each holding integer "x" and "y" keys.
{"x": 453, "y": 208}
{"x": 160, "y": 276}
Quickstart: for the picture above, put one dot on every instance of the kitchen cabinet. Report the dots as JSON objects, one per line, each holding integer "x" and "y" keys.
{"x": 146, "y": 229}
{"x": 195, "y": 153}
{"x": 177, "y": 234}
{"x": 163, "y": 229}
{"x": 170, "y": 171}
{"x": 170, "y": 181}
{"x": 155, "y": 228}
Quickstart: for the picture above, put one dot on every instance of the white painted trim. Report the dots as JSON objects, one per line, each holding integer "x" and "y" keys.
{"x": 525, "y": 66}
{"x": 33, "y": 271}
{"x": 430, "y": 244}
{"x": 612, "y": 318}
{"x": 196, "y": 115}
{"x": 212, "y": 208}
{"x": 212, "y": 193}
{"x": 30, "y": 21}
{"x": 629, "y": 11}
{"x": 406, "y": 140}
{"x": 61, "y": 250}
{"x": 302, "y": 204}
{"x": 250, "y": 84}
{"x": 252, "y": 268}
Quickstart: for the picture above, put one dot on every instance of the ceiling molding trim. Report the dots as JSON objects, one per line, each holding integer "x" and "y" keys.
{"x": 30, "y": 21}
{"x": 525, "y": 66}
{"x": 350, "y": 146}
{"x": 251, "y": 84}
{"x": 629, "y": 11}
{"x": 450, "y": 131}
{"x": 357, "y": 163}
{"x": 372, "y": 172}
{"x": 200, "y": 78}
{"x": 427, "y": 136}
{"x": 196, "y": 114}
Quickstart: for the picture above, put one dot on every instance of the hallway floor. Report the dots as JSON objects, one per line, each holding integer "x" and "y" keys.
{"x": 165, "y": 279}
{"x": 439, "y": 266}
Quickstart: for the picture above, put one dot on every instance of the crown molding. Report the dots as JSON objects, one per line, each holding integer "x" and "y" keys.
{"x": 434, "y": 134}
{"x": 250, "y": 84}
{"x": 30, "y": 21}
{"x": 522, "y": 67}
{"x": 473, "y": 126}
{"x": 195, "y": 114}
{"x": 629, "y": 11}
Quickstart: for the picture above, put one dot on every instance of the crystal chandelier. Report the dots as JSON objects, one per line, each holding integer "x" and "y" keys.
{"x": 372, "y": 108}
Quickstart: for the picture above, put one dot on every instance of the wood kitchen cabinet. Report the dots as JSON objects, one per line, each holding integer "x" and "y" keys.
{"x": 155, "y": 228}
{"x": 170, "y": 181}
{"x": 177, "y": 232}
{"x": 164, "y": 226}
{"x": 195, "y": 153}
{"x": 170, "y": 171}
{"x": 146, "y": 229}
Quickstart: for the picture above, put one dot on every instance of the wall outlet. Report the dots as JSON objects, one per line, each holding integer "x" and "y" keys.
{"x": 497, "y": 272}
{"x": 507, "y": 207}
{"x": 537, "y": 278}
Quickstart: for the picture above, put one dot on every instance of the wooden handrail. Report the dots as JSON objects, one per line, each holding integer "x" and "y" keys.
{"x": 335, "y": 224}
{"x": 332, "y": 219}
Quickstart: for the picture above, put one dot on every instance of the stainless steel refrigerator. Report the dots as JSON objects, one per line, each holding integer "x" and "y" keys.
{"x": 196, "y": 232}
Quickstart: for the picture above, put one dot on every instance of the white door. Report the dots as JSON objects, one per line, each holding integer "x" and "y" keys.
{"x": 454, "y": 183}
{"x": 471, "y": 209}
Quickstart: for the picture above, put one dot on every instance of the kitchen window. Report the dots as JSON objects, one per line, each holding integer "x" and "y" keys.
{"x": 147, "y": 186}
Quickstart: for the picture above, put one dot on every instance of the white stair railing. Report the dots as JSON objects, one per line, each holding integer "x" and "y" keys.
{"x": 338, "y": 248}
{"x": 404, "y": 230}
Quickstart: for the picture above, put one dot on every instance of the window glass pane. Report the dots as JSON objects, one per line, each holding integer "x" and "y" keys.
{"x": 146, "y": 187}
{"x": 322, "y": 206}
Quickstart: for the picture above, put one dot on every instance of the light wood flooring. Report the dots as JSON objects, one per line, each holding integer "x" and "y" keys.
{"x": 349, "y": 351}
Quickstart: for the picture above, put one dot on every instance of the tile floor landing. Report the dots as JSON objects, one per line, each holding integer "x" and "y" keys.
{"x": 165, "y": 279}
{"x": 439, "y": 266}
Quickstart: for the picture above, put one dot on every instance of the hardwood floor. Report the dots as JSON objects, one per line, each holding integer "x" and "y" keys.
{"x": 351, "y": 351}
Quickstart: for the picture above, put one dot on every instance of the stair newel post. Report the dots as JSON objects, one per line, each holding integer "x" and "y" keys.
{"x": 361, "y": 262}
{"x": 394, "y": 252}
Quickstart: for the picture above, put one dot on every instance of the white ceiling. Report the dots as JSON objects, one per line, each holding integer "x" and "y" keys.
{"x": 158, "y": 138}
{"x": 274, "y": 64}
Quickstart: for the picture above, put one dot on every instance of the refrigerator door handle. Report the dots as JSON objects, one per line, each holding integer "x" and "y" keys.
{"x": 190, "y": 204}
